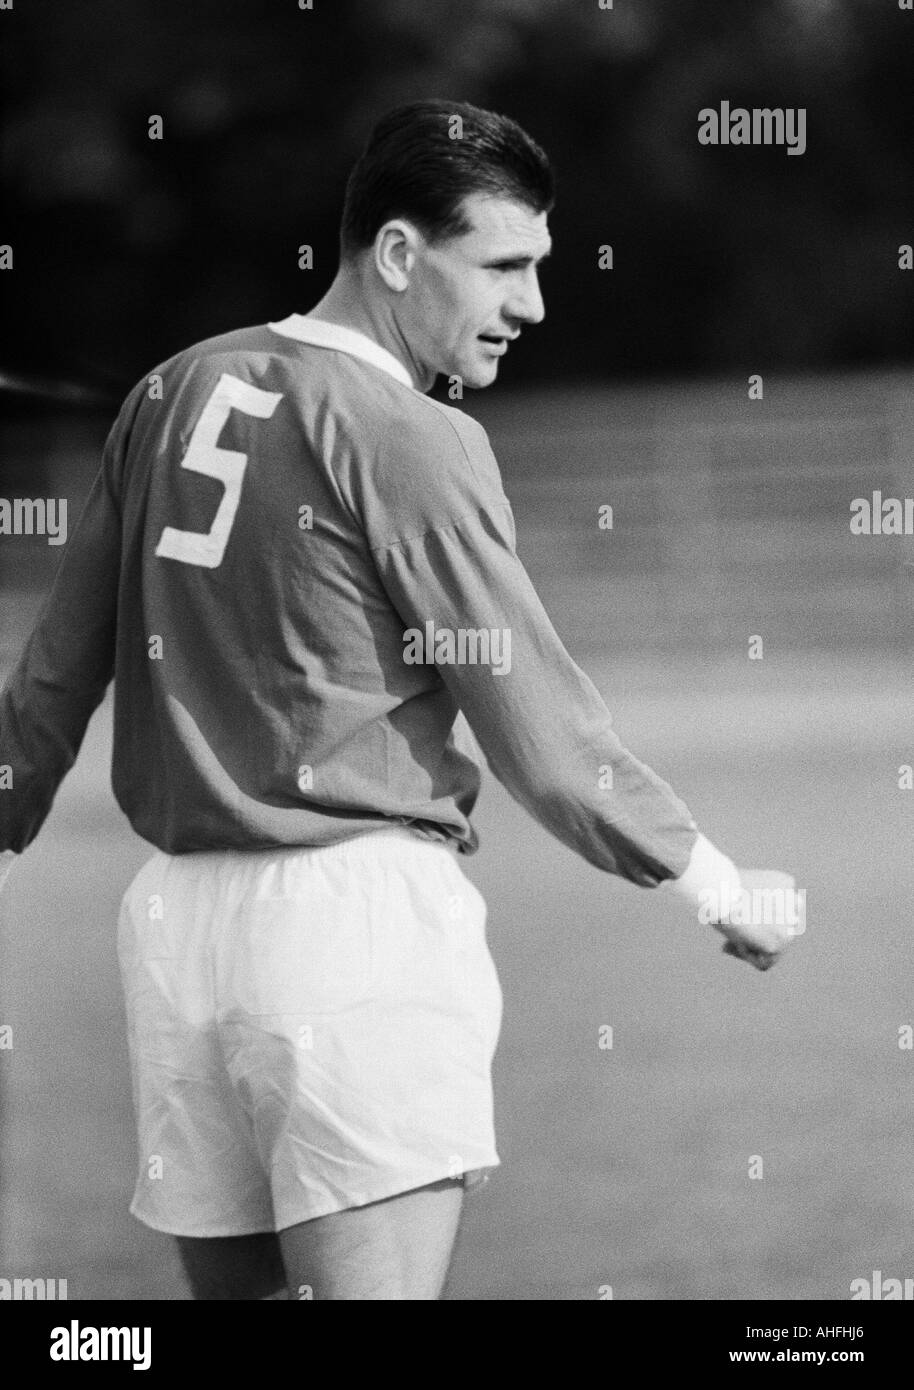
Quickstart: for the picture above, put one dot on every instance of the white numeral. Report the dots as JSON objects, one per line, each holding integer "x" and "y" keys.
{"x": 228, "y": 465}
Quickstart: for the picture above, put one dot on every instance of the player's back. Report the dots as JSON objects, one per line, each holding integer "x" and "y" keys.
{"x": 262, "y": 696}
{"x": 299, "y": 569}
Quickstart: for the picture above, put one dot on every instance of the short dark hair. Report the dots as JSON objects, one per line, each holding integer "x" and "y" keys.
{"x": 413, "y": 166}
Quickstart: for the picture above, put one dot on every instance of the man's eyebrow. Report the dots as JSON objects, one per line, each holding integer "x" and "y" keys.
{"x": 508, "y": 259}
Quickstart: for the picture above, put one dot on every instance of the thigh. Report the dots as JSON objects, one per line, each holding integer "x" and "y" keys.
{"x": 398, "y": 1248}
{"x": 199, "y": 1173}
{"x": 232, "y": 1267}
{"x": 358, "y": 1011}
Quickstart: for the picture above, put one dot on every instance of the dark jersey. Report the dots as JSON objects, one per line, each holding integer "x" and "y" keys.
{"x": 299, "y": 570}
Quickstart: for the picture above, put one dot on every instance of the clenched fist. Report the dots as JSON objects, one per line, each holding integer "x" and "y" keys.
{"x": 759, "y": 911}
{"x": 762, "y": 919}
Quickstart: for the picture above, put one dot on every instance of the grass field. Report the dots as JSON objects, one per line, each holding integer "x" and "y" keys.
{"x": 625, "y": 1167}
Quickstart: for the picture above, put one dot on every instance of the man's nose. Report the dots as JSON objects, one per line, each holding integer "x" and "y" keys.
{"x": 526, "y": 301}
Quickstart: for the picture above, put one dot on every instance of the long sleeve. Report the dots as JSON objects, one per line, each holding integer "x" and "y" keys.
{"x": 65, "y": 667}
{"x": 540, "y": 721}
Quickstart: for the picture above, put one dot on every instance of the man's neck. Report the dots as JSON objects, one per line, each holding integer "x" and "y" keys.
{"x": 345, "y": 305}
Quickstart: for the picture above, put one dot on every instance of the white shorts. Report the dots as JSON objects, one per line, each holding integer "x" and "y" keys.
{"x": 309, "y": 1029}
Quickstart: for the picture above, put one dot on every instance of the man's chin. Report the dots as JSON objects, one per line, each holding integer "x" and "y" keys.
{"x": 477, "y": 377}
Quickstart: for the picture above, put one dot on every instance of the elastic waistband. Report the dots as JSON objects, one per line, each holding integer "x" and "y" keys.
{"x": 364, "y": 846}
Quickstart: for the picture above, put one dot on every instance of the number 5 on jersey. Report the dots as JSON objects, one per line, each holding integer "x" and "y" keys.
{"x": 227, "y": 465}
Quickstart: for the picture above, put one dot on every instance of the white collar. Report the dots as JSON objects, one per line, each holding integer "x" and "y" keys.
{"x": 320, "y": 333}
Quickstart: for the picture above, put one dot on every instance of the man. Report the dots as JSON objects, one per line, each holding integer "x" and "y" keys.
{"x": 299, "y": 570}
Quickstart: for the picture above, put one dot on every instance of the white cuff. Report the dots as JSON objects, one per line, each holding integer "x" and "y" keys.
{"x": 8, "y": 858}
{"x": 709, "y": 871}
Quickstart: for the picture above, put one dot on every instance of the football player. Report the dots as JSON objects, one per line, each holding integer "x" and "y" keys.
{"x": 301, "y": 573}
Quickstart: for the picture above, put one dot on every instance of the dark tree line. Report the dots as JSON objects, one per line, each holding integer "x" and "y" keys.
{"x": 126, "y": 247}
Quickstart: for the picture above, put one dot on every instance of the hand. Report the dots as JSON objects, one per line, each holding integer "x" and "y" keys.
{"x": 762, "y": 920}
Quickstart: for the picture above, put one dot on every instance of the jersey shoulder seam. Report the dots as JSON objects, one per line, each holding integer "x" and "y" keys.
{"x": 432, "y": 530}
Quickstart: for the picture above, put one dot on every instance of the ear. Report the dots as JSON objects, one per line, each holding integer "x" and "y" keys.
{"x": 396, "y": 246}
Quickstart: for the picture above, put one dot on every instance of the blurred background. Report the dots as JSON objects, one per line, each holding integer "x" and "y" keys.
{"x": 128, "y": 248}
{"x": 625, "y": 1167}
